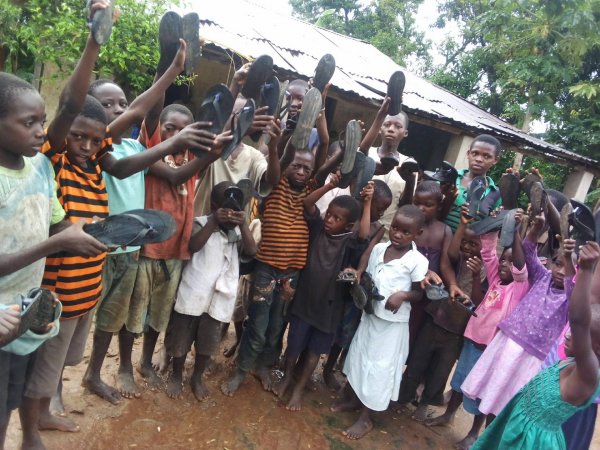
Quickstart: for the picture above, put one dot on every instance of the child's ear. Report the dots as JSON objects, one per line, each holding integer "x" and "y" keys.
{"x": 350, "y": 226}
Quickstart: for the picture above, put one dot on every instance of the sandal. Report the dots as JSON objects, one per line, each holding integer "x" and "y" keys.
{"x": 410, "y": 165}
{"x": 509, "y": 190}
{"x": 395, "y": 91}
{"x": 445, "y": 174}
{"x": 528, "y": 181}
{"x": 269, "y": 97}
{"x": 245, "y": 118}
{"x": 507, "y": 235}
{"x": 247, "y": 189}
{"x": 169, "y": 32}
{"x": 311, "y": 107}
{"x": 190, "y": 31}
{"x": 537, "y": 198}
{"x": 488, "y": 224}
{"x": 364, "y": 176}
{"x": 216, "y": 108}
{"x": 259, "y": 72}
{"x": 475, "y": 195}
{"x": 359, "y": 297}
{"x": 469, "y": 306}
{"x": 371, "y": 291}
{"x": 38, "y": 311}
{"x": 565, "y": 224}
{"x": 436, "y": 292}
{"x": 582, "y": 221}
{"x": 346, "y": 277}
{"x": 101, "y": 23}
{"x": 359, "y": 163}
{"x": 132, "y": 228}
{"x": 352, "y": 138}
{"x": 234, "y": 198}
{"x": 324, "y": 72}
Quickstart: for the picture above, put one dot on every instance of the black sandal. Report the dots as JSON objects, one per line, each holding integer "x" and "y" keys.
{"x": 169, "y": 32}
{"x": 191, "y": 35}
{"x": 509, "y": 186}
{"x": 101, "y": 23}
{"x": 364, "y": 176}
{"x": 395, "y": 91}
{"x": 259, "y": 72}
{"x": 311, "y": 107}
{"x": 475, "y": 195}
{"x": 445, "y": 174}
{"x": 537, "y": 198}
{"x": 582, "y": 221}
{"x": 216, "y": 108}
{"x": 269, "y": 97}
{"x": 245, "y": 117}
{"x": 324, "y": 72}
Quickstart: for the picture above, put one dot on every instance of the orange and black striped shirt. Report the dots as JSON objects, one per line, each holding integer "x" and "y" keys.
{"x": 77, "y": 281}
{"x": 284, "y": 241}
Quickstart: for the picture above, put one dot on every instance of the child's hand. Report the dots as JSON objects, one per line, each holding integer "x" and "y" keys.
{"x": 465, "y": 217}
{"x": 538, "y": 223}
{"x": 239, "y": 77}
{"x": 456, "y": 292}
{"x": 589, "y": 255}
{"x": 519, "y": 213}
{"x": 334, "y": 180}
{"x": 430, "y": 278}
{"x": 195, "y": 136}
{"x": 75, "y": 241}
{"x": 275, "y": 133}
{"x": 224, "y": 215}
{"x": 568, "y": 245}
{"x": 367, "y": 192}
{"x": 394, "y": 301}
{"x": 383, "y": 109}
{"x": 474, "y": 264}
{"x": 261, "y": 122}
{"x": 179, "y": 60}
{"x": 219, "y": 144}
{"x": 238, "y": 218}
{"x": 353, "y": 271}
{"x": 10, "y": 318}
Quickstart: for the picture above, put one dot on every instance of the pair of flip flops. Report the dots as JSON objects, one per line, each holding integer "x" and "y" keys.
{"x": 240, "y": 124}
{"x": 438, "y": 292}
{"x": 311, "y": 107}
{"x": 132, "y": 228}
{"x": 445, "y": 174}
{"x": 395, "y": 92}
{"x": 172, "y": 28}
{"x": 237, "y": 196}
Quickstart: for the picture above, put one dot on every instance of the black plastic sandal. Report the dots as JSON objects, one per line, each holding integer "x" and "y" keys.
{"x": 475, "y": 195}
{"x": 370, "y": 289}
{"x": 247, "y": 189}
{"x": 191, "y": 34}
{"x": 509, "y": 186}
{"x": 364, "y": 176}
{"x": 352, "y": 138}
{"x": 269, "y": 97}
{"x": 528, "y": 181}
{"x": 216, "y": 108}
{"x": 169, "y": 32}
{"x": 395, "y": 91}
{"x": 445, "y": 174}
{"x": 565, "y": 223}
{"x": 359, "y": 163}
{"x": 507, "y": 235}
{"x": 245, "y": 117}
{"x": 537, "y": 198}
{"x": 311, "y": 107}
{"x": 324, "y": 72}
{"x": 259, "y": 72}
{"x": 582, "y": 222}
{"x": 101, "y": 23}
{"x": 234, "y": 198}
{"x": 488, "y": 224}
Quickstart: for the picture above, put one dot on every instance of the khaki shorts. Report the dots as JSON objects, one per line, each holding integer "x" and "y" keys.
{"x": 64, "y": 349}
{"x": 118, "y": 280}
{"x": 154, "y": 294}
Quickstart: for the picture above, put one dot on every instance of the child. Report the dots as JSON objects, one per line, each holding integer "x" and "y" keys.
{"x": 29, "y": 213}
{"x": 319, "y": 303}
{"x": 527, "y": 334}
{"x": 282, "y": 254}
{"x": 382, "y": 199}
{"x": 482, "y": 155}
{"x": 206, "y": 295}
{"x": 507, "y": 278}
{"x": 533, "y": 418}
{"x": 380, "y": 346}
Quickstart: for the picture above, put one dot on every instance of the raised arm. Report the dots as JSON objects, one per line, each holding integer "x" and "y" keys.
{"x": 456, "y": 241}
{"x": 534, "y": 266}
{"x": 518, "y": 254}
{"x": 365, "y": 219}
{"x": 312, "y": 198}
{"x": 321, "y": 124}
{"x": 371, "y": 135}
{"x": 273, "y": 172}
{"x": 249, "y": 246}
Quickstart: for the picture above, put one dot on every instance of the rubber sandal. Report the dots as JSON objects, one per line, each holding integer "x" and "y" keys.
{"x": 324, "y": 72}
{"x": 259, "y": 72}
{"x": 359, "y": 297}
{"x": 38, "y": 310}
{"x": 280, "y": 111}
{"x": 509, "y": 190}
{"x": 170, "y": 31}
{"x": 582, "y": 221}
{"x": 269, "y": 97}
{"x": 565, "y": 225}
{"x": 135, "y": 227}
{"x": 469, "y": 307}
{"x": 537, "y": 198}
{"x": 411, "y": 165}
{"x": 487, "y": 204}
{"x": 359, "y": 163}
{"x": 475, "y": 195}
{"x": 311, "y": 107}
{"x": 101, "y": 23}
{"x": 191, "y": 35}
{"x": 395, "y": 91}
{"x": 247, "y": 189}
{"x": 488, "y": 224}
{"x": 388, "y": 163}
{"x": 370, "y": 289}
{"x": 364, "y": 176}
{"x": 234, "y": 198}
{"x": 528, "y": 181}
{"x": 436, "y": 292}
{"x": 244, "y": 121}
{"x": 216, "y": 108}
{"x": 346, "y": 277}
{"x": 352, "y": 138}
{"x": 445, "y": 174}
{"x": 507, "y": 235}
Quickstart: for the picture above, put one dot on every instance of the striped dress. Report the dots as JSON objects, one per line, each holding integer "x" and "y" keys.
{"x": 77, "y": 281}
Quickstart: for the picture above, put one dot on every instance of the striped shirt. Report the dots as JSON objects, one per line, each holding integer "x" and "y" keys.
{"x": 284, "y": 243}
{"x": 77, "y": 281}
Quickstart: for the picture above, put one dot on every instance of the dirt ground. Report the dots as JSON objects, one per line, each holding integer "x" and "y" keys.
{"x": 252, "y": 419}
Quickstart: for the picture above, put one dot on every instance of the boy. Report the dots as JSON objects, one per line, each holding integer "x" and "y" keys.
{"x": 282, "y": 254}
{"x": 29, "y": 213}
{"x": 207, "y": 293}
{"x": 380, "y": 346}
{"x": 482, "y": 155}
{"x": 319, "y": 303}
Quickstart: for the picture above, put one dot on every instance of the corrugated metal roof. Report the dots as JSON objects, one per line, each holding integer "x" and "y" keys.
{"x": 251, "y": 30}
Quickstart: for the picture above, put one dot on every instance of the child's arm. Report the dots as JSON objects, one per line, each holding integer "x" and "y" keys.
{"x": 568, "y": 247}
{"x": 73, "y": 95}
{"x": 311, "y": 199}
{"x": 446, "y": 269}
{"x": 371, "y": 135}
{"x": 489, "y": 257}
{"x": 518, "y": 254}
{"x": 395, "y": 300}
{"x": 249, "y": 246}
{"x": 455, "y": 242}
{"x": 474, "y": 265}
{"x": 364, "y": 259}
{"x": 365, "y": 219}
{"x": 238, "y": 80}
{"x": 273, "y": 172}
{"x": 201, "y": 237}
{"x": 321, "y": 124}
{"x": 144, "y": 102}
{"x": 529, "y": 246}
{"x": 582, "y": 382}
{"x": 10, "y": 318}
{"x": 71, "y": 239}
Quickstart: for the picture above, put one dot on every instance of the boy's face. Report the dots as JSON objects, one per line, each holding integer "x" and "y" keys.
{"x": 378, "y": 207}
{"x": 299, "y": 171}
{"x": 504, "y": 271}
{"x": 336, "y": 220}
{"x": 113, "y": 100}
{"x": 403, "y": 231}
{"x": 471, "y": 244}
{"x": 84, "y": 139}
{"x": 172, "y": 124}
{"x": 22, "y": 130}
{"x": 295, "y": 96}
{"x": 481, "y": 157}
{"x": 393, "y": 130}
{"x": 428, "y": 203}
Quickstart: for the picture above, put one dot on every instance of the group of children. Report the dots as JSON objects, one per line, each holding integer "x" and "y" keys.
{"x": 393, "y": 239}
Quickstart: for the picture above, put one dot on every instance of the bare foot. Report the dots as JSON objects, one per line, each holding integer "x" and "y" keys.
{"x": 345, "y": 406}
{"x": 161, "y": 361}
{"x": 101, "y": 389}
{"x": 280, "y": 388}
{"x": 150, "y": 376}
{"x": 174, "y": 388}
{"x": 466, "y": 443}
{"x": 211, "y": 367}
{"x": 127, "y": 386}
{"x": 50, "y": 422}
{"x": 420, "y": 414}
{"x": 444, "y": 419}
{"x": 229, "y": 352}
{"x": 295, "y": 403}
{"x": 265, "y": 378}
{"x": 360, "y": 428}
{"x": 330, "y": 381}
{"x": 200, "y": 391}
{"x": 230, "y": 386}
{"x": 57, "y": 407}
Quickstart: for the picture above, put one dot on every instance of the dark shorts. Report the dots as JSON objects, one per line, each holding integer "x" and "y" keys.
{"x": 303, "y": 336}
{"x": 183, "y": 331}
{"x": 14, "y": 371}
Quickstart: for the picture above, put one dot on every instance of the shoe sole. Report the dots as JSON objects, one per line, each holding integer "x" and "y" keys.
{"x": 190, "y": 24}
{"x": 396, "y": 91}
{"x": 311, "y": 106}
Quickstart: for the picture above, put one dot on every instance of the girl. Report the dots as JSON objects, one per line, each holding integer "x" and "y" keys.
{"x": 533, "y": 418}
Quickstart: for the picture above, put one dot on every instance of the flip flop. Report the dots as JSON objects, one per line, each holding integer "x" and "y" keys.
{"x": 244, "y": 121}
{"x": 247, "y": 189}
{"x": 311, "y": 107}
{"x": 135, "y": 227}
{"x": 528, "y": 181}
{"x": 191, "y": 26}
{"x": 436, "y": 292}
{"x": 279, "y": 111}
{"x": 359, "y": 297}
{"x": 373, "y": 295}
{"x": 352, "y": 138}
{"x": 565, "y": 225}
{"x": 445, "y": 174}
{"x": 259, "y": 72}
{"x": 269, "y": 96}
{"x": 324, "y": 72}
{"x": 488, "y": 224}
{"x": 389, "y": 162}
{"x": 395, "y": 91}
{"x": 38, "y": 310}
{"x": 509, "y": 190}
{"x": 475, "y": 195}
{"x": 411, "y": 165}
{"x": 170, "y": 31}
{"x": 537, "y": 198}
{"x": 101, "y": 23}
{"x": 582, "y": 221}
{"x": 557, "y": 198}
{"x": 507, "y": 235}
{"x": 359, "y": 163}
{"x": 234, "y": 198}
{"x": 216, "y": 108}
{"x": 364, "y": 176}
